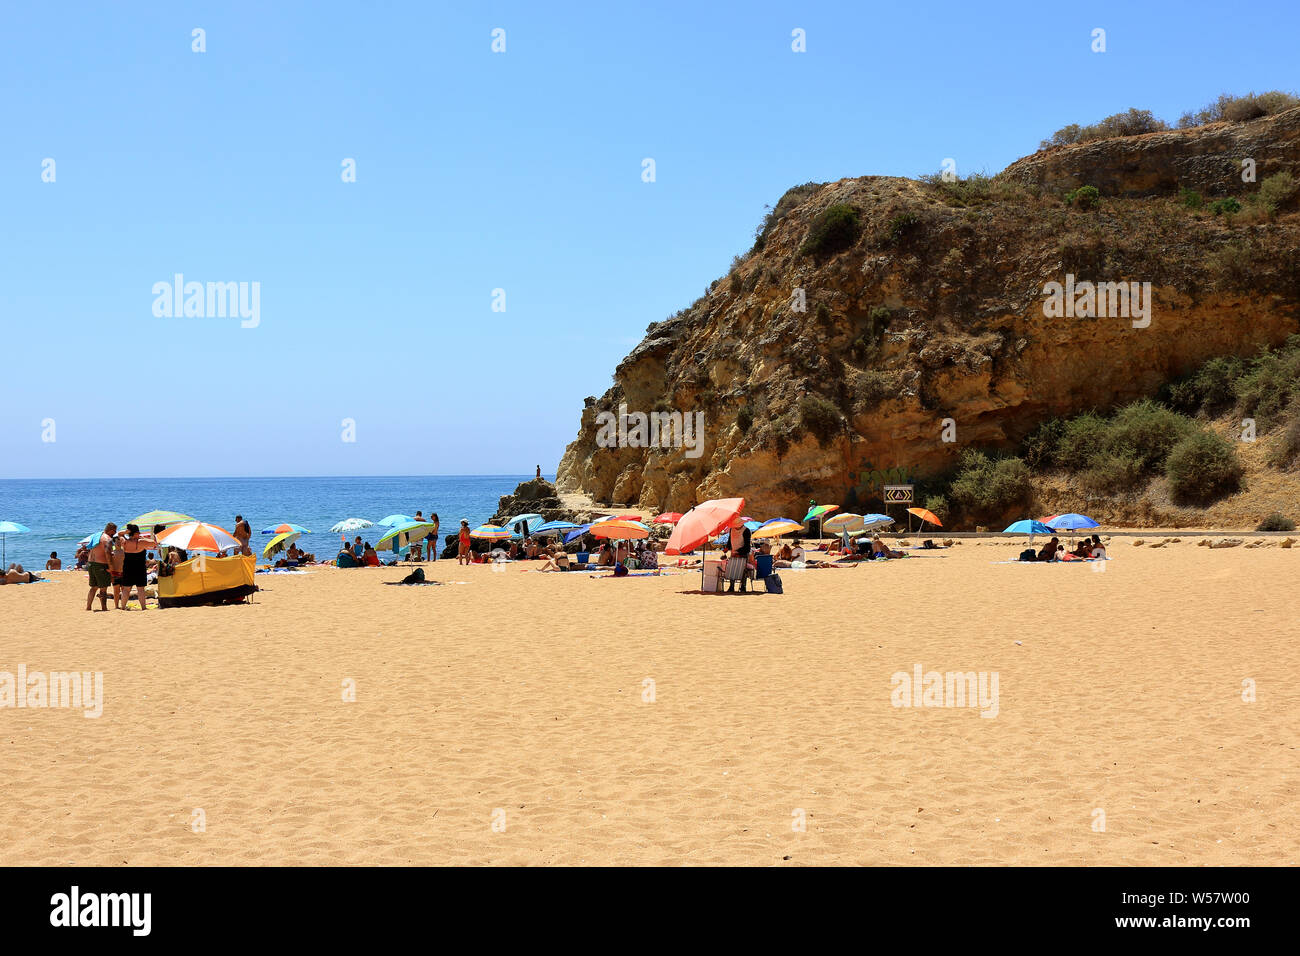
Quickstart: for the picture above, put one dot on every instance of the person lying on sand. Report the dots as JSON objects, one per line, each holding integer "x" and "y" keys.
{"x": 16, "y": 575}
{"x": 879, "y": 549}
{"x": 556, "y": 562}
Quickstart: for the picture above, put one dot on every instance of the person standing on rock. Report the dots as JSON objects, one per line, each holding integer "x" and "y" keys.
{"x": 539, "y": 471}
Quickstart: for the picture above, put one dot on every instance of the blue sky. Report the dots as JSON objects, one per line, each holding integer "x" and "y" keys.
{"x": 474, "y": 171}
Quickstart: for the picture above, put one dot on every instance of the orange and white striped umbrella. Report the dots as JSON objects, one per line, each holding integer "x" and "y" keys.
{"x": 198, "y": 536}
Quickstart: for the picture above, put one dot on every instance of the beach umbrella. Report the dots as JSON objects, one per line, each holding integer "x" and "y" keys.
{"x": 490, "y": 532}
{"x": 392, "y": 521}
{"x": 522, "y": 520}
{"x": 776, "y": 527}
{"x": 280, "y": 542}
{"x": 351, "y": 524}
{"x": 1026, "y": 526}
{"x": 873, "y": 522}
{"x": 1071, "y": 522}
{"x": 7, "y": 528}
{"x": 929, "y": 516}
{"x": 151, "y": 518}
{"x": 198, "y": 536}
{"x": 1049, "y": 519}
{"x": 282, "y": 528}
{"x": 701, "y": 523}
{"x": 577, "y": 532}
{"x": 818, "y": 511}
{"x": 404, "y": 534}
{"x": 668, "y": 517}
{"x": 620, "y": 530}
{"x": 846, "y": 521}
{"x": 554, "y": 527}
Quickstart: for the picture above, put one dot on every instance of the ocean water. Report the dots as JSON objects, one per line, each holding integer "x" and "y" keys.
{"x": 60, "y": 512}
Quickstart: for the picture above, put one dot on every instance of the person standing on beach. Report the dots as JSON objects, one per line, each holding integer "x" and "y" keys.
{"x": 462, "y": 555}
{"x": 434, "y": 544}
{"x": 135, "y": 572}
{"x": 101, "y": 550}
{"x": 115, "y": 564}
{"x": 243, "y": 532}
{"x": 738, "y": 557}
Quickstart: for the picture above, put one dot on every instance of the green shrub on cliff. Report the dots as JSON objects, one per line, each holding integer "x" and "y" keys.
{"x": 819, "y": 418}
{"x": 986, "y": 487}
{"x": 1085, "y": 197}
{"x": 1201, "y": 468}
{"x": 1238, "y": 109}
{"x": 834, "y": 228}
{"x": 1132, "y": 122}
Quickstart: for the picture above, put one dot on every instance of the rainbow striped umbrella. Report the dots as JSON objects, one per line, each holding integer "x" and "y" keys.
{"x": 818, "y": 511}
{"x": 286, "y": 528}
{"x": 198, "y": 536}
{"x": 491, "y": 532}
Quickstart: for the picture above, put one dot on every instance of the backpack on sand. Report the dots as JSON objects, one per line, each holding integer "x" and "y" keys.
{"x": 772, "y": 583}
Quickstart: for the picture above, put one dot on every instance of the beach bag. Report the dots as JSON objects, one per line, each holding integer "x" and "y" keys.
{"x": 415, "y": 577}
{"x": 1029, "y": 554}
{"x": 772, "y": 583}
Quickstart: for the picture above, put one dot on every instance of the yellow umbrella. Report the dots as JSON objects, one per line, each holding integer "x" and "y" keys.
{"x": 146, "y": 521}
{"x": 618, "y": 528}
{"x": 777, "y": 527}
{"x": 280, "y": 542}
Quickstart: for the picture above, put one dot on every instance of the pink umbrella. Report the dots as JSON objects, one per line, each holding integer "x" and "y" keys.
{"x": 700, "y": 524}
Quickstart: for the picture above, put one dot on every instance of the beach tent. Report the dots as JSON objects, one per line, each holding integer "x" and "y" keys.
{"x": 208, "y": 581}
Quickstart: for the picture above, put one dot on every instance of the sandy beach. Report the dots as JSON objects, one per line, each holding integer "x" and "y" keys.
{"x": 505, "y": 718}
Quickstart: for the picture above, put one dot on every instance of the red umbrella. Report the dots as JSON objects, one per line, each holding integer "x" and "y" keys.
{"x": 700, "y": 524}
{"x": 668, "y": 517}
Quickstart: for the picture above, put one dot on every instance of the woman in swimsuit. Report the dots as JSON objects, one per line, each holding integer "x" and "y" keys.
{"x": 463, "y": 555}
{"x": 135, "y": 569}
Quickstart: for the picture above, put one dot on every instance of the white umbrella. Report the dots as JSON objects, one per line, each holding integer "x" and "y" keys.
{"x": 351, "y": 524}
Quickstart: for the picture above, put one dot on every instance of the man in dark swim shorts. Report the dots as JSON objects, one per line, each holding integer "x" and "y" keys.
{"x": 101, "y": 546}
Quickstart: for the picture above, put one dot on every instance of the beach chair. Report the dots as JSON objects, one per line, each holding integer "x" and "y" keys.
{"x": 764, "y": 566}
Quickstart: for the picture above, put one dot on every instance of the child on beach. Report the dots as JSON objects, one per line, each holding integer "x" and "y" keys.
{"x": 463, "y": 553}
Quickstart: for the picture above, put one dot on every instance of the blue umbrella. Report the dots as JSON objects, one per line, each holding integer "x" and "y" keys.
{"x": 8, "y": 528}
{"x": 577, "y": 532}
{"x": 1026, "y": 526}
{"x": 392, "y": 521}
{"x": 552, "y": 526}
{"x": 1073, "y": 522}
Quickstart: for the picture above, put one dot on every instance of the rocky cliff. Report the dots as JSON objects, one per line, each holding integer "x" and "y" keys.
{"x": 881, "y": 325}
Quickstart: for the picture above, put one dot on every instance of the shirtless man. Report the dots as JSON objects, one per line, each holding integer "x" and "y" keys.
{"x": 242, "y": 533}
{"x": 101, "y": 549}
{"x": 115, "y": 564}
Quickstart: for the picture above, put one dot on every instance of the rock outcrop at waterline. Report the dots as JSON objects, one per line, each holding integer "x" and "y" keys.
{"x": 924, "y": 320}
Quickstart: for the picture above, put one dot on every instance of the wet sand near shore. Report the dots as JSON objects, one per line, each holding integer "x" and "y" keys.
{"x": 506, "y": 717}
